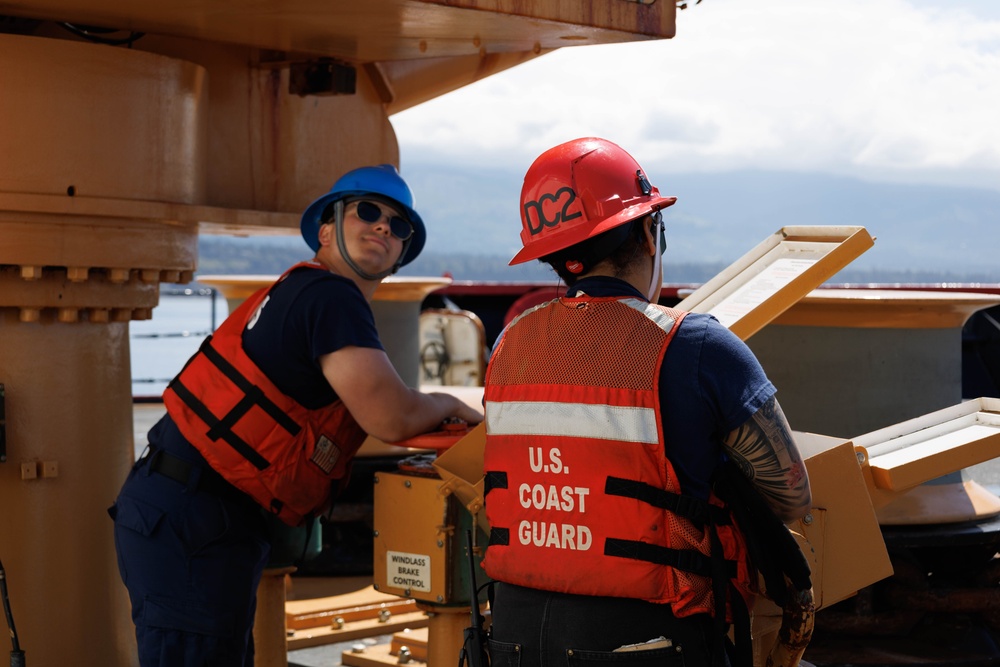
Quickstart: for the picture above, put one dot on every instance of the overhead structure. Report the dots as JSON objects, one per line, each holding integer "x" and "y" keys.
{"x": 128, "y": 129}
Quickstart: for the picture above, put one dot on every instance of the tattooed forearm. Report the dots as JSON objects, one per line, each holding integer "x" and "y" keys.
{"x": 764, "y": 451}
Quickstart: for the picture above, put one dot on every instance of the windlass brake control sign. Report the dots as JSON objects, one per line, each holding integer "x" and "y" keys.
{"x": 408, "y": 571}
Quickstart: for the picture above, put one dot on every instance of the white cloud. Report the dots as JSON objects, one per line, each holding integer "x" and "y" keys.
{"x": 883, "y": 89}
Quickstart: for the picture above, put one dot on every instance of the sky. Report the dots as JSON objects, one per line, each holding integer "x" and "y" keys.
{"x": 904, "y": 91}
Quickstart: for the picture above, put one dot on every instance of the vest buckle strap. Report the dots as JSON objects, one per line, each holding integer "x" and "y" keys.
{"x": 687, "y": 560}
{"x": 230, "y": 438}
{"x": 494, "y": 480}
{"x": 252, "y": 392}
{"x": 499, "y": 537}
{"x": 693, "y": 509}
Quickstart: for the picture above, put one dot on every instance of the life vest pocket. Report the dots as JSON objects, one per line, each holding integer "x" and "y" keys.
{"x": 304, "y": 481}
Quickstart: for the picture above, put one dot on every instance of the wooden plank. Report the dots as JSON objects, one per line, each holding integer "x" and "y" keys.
{"x": 322, "y": 636}
{"x": 361, "y": 605}
{"x": 388, "y": 654}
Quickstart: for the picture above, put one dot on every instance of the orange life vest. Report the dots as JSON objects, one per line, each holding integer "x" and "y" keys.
{"x": 265, "y": 443}
{"x": 580, "y": 496}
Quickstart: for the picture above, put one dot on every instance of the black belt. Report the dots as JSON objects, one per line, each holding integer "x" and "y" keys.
{"x": 179, "y": 470}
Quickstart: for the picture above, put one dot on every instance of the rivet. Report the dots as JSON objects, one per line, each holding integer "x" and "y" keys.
{"x": 861, "y": 458}
{"x": 807, "y": 519}
{"x": 407, "y": 484}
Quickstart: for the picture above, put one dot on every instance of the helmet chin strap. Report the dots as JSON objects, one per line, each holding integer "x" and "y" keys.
{"x": 657, "y": 263}
{"x": 338, "y": 218}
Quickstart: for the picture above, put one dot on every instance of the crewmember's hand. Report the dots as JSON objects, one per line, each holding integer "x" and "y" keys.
{"x": 459, "y": 409}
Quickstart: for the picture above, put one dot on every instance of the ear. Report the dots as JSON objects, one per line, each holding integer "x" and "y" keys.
{"x": 326, "y": 234}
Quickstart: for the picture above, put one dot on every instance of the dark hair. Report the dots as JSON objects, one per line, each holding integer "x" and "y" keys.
{"x": 327, "y": 215}
{"x": 618, "y": 246}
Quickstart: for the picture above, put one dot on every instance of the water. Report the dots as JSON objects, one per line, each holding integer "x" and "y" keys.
{"x": 160, "y": 346}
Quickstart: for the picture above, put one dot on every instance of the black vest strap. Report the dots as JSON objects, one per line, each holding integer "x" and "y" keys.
{"x": 494, "y": 480}
{"x": 687, "y": 560}
{"x": 695, "y": 510}
{"x": 253, "y": 393}
{"x": 499, "y": 537}
{"x": 236, "y": 442}
{"x": 222, "y": 428}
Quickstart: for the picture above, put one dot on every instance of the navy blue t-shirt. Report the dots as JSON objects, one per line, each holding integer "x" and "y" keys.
{"x": 310, "y": 313}
{"x": 710, "y": 383}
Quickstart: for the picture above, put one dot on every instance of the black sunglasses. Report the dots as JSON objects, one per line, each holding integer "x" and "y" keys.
{"x": 658, "y": 222}
{"x": 371, "y": 213}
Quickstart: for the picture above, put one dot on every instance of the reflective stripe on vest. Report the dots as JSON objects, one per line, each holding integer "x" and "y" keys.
{"x": 606, "y": 422}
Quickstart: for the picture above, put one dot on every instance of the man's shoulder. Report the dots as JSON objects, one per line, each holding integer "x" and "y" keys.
{"x": 309, "y": 278}
{"x": 701, "y": 328}
{"x": 699, "y": 320}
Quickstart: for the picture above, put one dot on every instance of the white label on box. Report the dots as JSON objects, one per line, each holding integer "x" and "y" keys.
{"x": 411, "y": 571}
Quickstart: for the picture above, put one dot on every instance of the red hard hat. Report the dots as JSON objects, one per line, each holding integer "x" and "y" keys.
{"x": 578, "y": 190}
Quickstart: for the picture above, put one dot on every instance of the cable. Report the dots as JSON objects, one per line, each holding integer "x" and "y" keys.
{"x": 16, "y": 654}
{"x": 95, "y": 34}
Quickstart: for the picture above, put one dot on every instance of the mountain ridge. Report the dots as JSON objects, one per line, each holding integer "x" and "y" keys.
{"x": 923, "y": 233}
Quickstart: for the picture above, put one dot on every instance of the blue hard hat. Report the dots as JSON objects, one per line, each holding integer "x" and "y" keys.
{"x": 382, "y": 180}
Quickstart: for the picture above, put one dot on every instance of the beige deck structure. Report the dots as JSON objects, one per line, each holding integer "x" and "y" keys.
{"x": 194, "y": 117}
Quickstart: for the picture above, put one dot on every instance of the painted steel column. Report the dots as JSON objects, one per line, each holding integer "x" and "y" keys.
{"x": 91, "y": 136}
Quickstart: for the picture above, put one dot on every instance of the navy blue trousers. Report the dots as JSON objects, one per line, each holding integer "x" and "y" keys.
{"x": 534, "y": 628}
{"x": 191, "y": 558}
